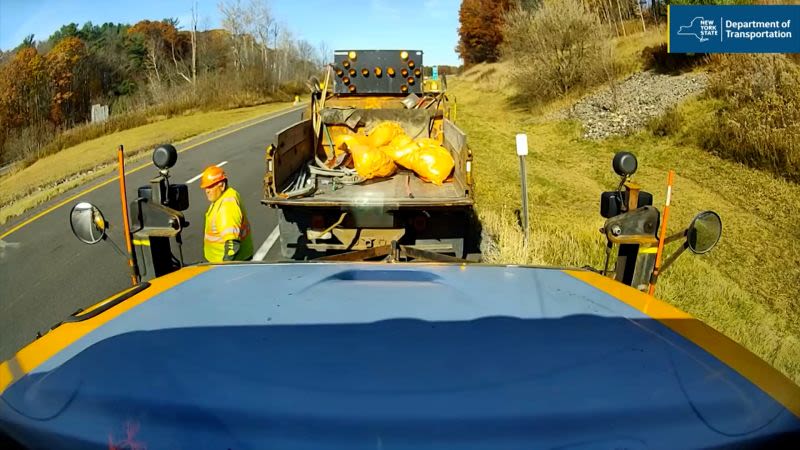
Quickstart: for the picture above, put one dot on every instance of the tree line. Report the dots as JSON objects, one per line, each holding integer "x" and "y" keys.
{"x": 482, "y": 22}
{"x": 49, "y": 86}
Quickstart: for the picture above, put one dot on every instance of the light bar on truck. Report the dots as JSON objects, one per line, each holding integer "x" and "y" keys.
{"x": 378, "y": 72}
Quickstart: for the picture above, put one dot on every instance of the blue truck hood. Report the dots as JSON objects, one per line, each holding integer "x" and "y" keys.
{"x": 350, "y": 356}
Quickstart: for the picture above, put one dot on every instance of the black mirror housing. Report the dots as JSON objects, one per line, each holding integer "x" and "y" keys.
{"x": 165, "y": 156}
{"x": 625, "y": 164}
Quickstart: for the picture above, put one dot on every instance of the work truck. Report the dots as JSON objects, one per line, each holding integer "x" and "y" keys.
{"x": 324, "y": 209}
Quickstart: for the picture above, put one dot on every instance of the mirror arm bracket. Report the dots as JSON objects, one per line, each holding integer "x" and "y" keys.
{"x": 668, "y": 262}
{"x": 675, "y": 236}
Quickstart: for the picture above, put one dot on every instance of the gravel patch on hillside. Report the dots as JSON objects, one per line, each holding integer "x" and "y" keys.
{"x": 638, "y": 99}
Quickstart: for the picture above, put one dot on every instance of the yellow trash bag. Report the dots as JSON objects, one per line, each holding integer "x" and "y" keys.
{"x": 400, "y": 140}
{"x": 372, "y": 162}
{"x": 343, "y": 142}
{"x": 432, "y": 163}
{"x": 423, "y": 142}
{"x": 400, "y": 147}
{"x": 383, "y": 133}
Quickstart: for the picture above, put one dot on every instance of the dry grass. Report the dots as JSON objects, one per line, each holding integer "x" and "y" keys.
{"x": 628, "y": 49}
{"x": 44, "y": 179}
{"x": 746, "y": 287}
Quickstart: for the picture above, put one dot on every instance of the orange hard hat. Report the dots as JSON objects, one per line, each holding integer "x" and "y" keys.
{"x": 211, "y": 176}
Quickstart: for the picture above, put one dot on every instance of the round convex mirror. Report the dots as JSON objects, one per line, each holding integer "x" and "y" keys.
{"x": 704, "y": 232}
{"x": 88, "y": 223}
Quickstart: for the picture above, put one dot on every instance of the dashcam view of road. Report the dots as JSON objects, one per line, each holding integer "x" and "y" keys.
{"x": 462, "y": 224}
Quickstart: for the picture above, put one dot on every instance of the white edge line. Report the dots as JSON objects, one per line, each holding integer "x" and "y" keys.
{"x": 267, "y": 245}
{"x": 195, "y": 178}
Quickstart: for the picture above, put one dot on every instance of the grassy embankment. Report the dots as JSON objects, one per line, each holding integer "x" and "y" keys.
{"x": 745, "y": 288}
{"x": 62, "y": 171}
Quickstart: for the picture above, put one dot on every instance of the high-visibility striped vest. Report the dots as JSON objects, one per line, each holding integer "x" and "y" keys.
{"x": 226, "y": 220}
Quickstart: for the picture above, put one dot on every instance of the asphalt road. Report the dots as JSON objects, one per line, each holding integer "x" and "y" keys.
{"x": 46, "y": 274}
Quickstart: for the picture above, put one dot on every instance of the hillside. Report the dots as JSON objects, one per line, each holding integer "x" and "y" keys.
{"x": 745, "y": 288}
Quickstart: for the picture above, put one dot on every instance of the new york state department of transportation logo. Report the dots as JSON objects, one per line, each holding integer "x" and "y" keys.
{"x": 734, "y": 29}
{"x": 701, "y": 28}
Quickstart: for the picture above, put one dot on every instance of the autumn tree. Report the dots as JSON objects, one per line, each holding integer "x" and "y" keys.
{"x": 480, "y": 31}
{"x": 212, "y": 47}
{"x": 165, "y": 47}
{"x": 23, "y": 83}
{"x": 23, "y": 93}
{"x": 68, "y": 85}
{"x": 48, "y": 86}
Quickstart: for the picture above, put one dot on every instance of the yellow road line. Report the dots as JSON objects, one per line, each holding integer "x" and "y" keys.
{"x": 109, "y": 181}
{"x": 738, "y": 358}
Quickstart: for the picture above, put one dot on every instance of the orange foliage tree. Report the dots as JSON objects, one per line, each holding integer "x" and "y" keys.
{"x": 63, "y": 64}
{"x": 23, "y": 93}
{"x": 22, "y": 83}
{"x": 163, "y": 43}
{"x": 480, "y": 31}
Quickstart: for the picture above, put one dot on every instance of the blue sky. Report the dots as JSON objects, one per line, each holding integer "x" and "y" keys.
{"x": 430, "y": 25}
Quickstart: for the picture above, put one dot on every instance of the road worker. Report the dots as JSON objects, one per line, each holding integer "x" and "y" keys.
{"x": 227, "y": 231}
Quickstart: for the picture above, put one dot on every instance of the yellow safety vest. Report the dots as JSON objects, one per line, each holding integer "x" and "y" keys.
{"x": 226, "y": 220}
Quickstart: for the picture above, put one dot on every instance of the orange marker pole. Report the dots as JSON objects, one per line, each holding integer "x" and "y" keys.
{"x": 123, "y": 195}
{"x": 663, "y": 235}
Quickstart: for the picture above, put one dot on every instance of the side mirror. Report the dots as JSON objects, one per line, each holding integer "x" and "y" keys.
{"x": 702, "y": 235}
{"x": 704, "y": 232}
{"x": 88, "y": 223}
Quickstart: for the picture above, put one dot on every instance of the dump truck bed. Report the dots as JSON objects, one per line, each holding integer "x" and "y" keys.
{"x": 404, "y": 189}
{"x": 293, "y": 149}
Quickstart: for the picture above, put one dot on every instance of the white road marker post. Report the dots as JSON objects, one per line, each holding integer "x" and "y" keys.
{"x": 522, "y": 151}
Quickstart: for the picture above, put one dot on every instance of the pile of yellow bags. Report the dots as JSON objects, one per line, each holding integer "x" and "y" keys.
{"x": 379, "y": 153}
